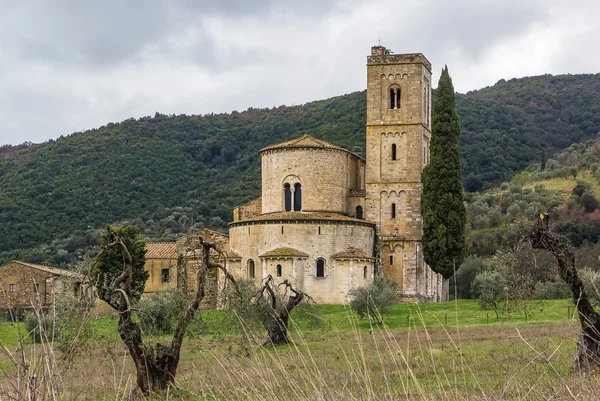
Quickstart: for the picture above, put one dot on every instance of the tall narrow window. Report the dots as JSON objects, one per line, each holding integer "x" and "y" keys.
{"x": 393, "y": 210}
{"x": 392, "y": 98}
{"x": 278, "y": 270}
{"x": 398, "y": 98}
{"x": 36, "y": 287}
{"x": 320, "y": 268}
{"x": 365, "y": 272}
{"x": 297, "y": 197}
{"x": 251, "y": 269}
{"x": 11, "y": 288}
{"x": 164, "y": 275}
{"x": 359, "y": 212}
{"x": 288, "y": 197}
{"x": 394, "y": 151}
{"x": 391, "y": 260}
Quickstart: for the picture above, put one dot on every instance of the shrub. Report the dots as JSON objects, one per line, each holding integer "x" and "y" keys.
{"x": 371, "y": 301}
{"x": 591, "y": 281}
{"x": 35, "y": 325}
{"x": 489, "y": 289}
{"x": 580, "y": 188}
{"x": 589, "y": 202}
{"x": 551, "y": 290}
{"x": 465, "y": 275}
{"x": 157, "y": 310}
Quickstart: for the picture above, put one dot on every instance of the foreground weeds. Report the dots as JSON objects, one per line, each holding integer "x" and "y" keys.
{"x": 442, "y": 363}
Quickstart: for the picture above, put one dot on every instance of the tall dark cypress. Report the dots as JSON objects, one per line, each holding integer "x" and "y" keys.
{"x": 543, "y": 159}
{"x": 442, "y": 203}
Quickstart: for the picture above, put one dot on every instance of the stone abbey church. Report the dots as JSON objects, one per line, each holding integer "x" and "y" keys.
{"x": 329, "y": 220}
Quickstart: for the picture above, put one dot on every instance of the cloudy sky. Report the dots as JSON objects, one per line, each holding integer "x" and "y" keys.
{"x": 70, "y": 65}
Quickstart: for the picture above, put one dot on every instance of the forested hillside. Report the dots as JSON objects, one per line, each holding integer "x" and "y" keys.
{"x": 175, "y": 173}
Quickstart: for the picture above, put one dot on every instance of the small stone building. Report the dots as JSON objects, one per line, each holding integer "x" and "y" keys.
{"x": 23, "y": 285}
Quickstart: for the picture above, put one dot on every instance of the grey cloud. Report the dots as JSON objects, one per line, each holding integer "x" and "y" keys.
{"x": 69, "y": 65}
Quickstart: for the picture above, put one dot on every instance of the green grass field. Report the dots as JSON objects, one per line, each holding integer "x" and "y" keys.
{"x": 415, "y": 355}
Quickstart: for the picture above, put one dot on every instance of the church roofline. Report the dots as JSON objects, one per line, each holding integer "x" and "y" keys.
{"x": 302, "y": 218}
{"x": 307, "y": 142}
{"x": 352, "y": 253}
{"x": 380, "y": 55}
{"x": 283, "y": 252}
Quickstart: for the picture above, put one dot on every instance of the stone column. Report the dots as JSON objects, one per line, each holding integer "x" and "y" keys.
{"x": 294, "y": 276}
{"x": 351, "y": 274}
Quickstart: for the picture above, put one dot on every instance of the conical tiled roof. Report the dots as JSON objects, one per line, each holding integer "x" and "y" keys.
{"x": 284, "y": 252}
{"x": 305, "y": 141}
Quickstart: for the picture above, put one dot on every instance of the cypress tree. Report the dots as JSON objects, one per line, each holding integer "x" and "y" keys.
{"x": 543, "y": 159}
{"x": 442, "y": 203}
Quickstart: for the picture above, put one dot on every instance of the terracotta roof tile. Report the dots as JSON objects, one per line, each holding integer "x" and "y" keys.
{"x": 284, "y": 252}
{"x": 161, "y": 250}
{"x": 49, "y": 269}
{"x": 308, "y": 216}
{"x": 352, "y": 253}
{"x": 357, "y": 192}
{"x": 305, "y": 141}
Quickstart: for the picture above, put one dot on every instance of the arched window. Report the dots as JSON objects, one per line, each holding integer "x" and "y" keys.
{"x": 393, "y": 210}
{"x": 394, "y": 151}
{"x": 320, "y": 268}
{"x": 288, "y": 197}
{"x": 251, "y": 269}
{"x": 365, "y": 272}
{"x": 395, "y": 98}
{"x": 297, "y": 197}
{"x": 278, "y": 270}
{"x": 359, "y": 212}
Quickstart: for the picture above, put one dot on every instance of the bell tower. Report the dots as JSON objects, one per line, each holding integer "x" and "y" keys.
{"x": 398, "y": 135}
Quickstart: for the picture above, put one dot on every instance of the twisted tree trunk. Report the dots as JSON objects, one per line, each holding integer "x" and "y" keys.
{"x": 156, "y": 366}
{"x": 588, "y": 346}
{"x": 277, "y": 319}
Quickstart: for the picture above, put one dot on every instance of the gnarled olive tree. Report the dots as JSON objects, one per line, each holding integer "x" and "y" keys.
{"x": 156, "y": 365}
{"x": 588, "y": 345}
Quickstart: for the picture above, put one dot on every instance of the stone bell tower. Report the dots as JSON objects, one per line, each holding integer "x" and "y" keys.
{"x": 398, "y": 135}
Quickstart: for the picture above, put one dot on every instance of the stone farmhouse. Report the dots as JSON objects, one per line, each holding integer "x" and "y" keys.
{"x": 23, "y": 285}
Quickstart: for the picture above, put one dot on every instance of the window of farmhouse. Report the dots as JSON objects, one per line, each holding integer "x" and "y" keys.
{"x": 164, "y": 275}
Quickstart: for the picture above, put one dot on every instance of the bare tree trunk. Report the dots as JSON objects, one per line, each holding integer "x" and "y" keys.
{"x": 277, "y": 319}
{"x": 588, "y": 347}
{"x": 156, "y": 366}
{"x": 277, "y": 326}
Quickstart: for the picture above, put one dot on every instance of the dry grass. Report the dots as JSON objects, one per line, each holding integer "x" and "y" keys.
{"x": 565, "y": 186}
{"x": 478, "y": 363}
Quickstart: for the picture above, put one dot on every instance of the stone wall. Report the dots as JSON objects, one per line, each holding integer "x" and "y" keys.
{"x": 326, "y": 176}
{"x": 23, "y": 279}
{"x": 319, "y": 240}
{"x": 248, "y": 210}
{"x": 398, "y": 135}
{"x": 154, "y": 268}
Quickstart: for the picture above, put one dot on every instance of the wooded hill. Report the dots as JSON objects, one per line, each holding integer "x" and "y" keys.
{"x": 176, "y": 173}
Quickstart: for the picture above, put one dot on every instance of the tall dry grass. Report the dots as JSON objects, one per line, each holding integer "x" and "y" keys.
{"x": 448, "y": 363}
